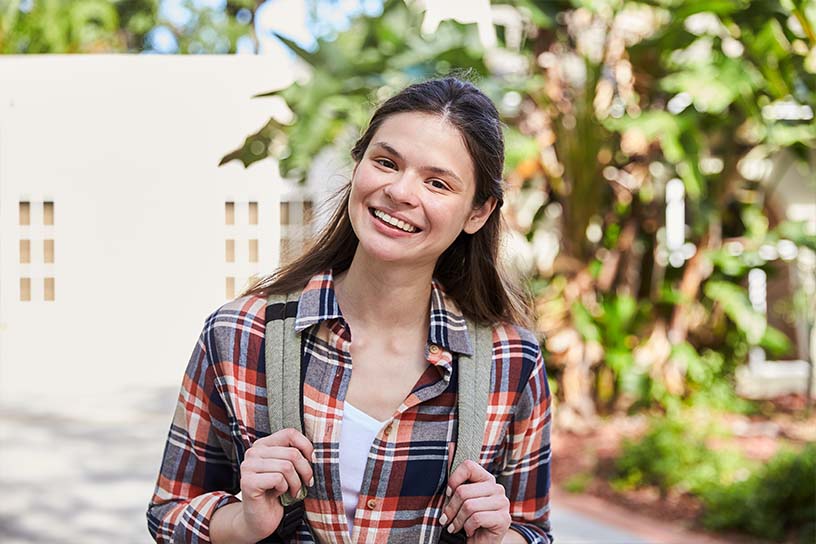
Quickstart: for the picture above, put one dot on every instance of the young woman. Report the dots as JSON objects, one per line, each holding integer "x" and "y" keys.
{"x": 411, "y": 252}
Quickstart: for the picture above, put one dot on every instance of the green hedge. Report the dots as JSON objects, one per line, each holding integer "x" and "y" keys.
{"x": 777, "y": 499}
{"x": 771, "y": 500}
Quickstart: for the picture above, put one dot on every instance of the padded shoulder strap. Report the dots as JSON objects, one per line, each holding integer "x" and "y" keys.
{"x": 282, "y": 363}
{"x": 474, "y": 390}
{"x": 282, "y": 356}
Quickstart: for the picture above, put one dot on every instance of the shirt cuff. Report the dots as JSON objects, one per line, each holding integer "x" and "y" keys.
{"x": 193, "y": 526}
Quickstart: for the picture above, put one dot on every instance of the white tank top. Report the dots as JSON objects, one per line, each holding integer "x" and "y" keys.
{"x": 357, "y": 434}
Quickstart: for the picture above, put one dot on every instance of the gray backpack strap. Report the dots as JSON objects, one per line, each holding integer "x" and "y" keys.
{"x": 282, "y": 355}
{"x": 474, "y": 393}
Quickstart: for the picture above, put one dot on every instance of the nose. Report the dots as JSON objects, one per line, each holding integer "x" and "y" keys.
{"x": 403, "y": 189}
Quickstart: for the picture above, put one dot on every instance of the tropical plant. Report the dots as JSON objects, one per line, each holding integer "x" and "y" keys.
{"x": 637, "y": 100}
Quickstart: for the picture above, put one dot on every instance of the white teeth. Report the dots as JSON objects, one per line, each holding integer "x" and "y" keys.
{"x": 394, "y": 221}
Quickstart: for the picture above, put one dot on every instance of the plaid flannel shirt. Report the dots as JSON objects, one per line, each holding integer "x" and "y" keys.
{"x": 222, "y": 410}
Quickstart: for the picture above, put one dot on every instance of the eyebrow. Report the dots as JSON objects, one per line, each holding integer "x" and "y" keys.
{"x": 435, "y": 169}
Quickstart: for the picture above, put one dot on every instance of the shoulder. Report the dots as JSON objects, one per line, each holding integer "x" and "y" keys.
{"x": 518, "y": 341}
{"x": 516, "y": 353}
{"x": 519, "y": 369}
{"x": 238, "y": 318}
{"x": 241, "y": 311}
{"x": 517, "y": 335}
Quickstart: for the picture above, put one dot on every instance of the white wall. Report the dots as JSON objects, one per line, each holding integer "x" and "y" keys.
{"x": 127, "y": 147}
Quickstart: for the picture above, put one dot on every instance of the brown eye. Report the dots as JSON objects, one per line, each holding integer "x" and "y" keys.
{"x": 438, "y": 184}
{"x": 386, "y": 163}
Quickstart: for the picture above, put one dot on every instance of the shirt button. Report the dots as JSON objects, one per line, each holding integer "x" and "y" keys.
{"x": 372, "y": 504}
{"x": 388, "y": 429}
{"x": 434, "y": 348}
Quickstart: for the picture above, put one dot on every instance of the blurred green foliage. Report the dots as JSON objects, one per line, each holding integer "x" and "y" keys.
{"x": 771, "y": 500}
{"x": 674, "y": 455}
{"x": 776, "y": 501}
{"x": 120, "y": 26}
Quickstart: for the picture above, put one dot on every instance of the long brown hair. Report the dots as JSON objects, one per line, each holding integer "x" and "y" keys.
{"x": 469, "y": 270}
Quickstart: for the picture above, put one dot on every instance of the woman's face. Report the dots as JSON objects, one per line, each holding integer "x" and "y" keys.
{"x": 412, "y": 192}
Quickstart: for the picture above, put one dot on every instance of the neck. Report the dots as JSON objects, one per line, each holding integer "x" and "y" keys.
{"x": 387, "y": 296}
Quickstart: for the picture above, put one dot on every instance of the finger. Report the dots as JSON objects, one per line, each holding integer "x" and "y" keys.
{"x": 467, "y": 471}
{"x": 255, "y": 485}
{"x": 289, "y": 437}
{"x": 475, "y": 506}
{"x": 463, "y": 493}
{"x": 497, "y": 521}
{"x": 293, "y": 455}
{"x": 259, "y": 465}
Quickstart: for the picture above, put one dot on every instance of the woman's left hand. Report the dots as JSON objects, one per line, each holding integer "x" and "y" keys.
{"x": 476, "y": 503}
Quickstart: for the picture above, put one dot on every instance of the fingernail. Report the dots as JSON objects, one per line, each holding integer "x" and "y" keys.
{"x": 450, "y": 528}
{"x": 443, "y": 520}
{"x": 314, "y": 459}
{"x": 448, "y": 491}
{"x": 311, "y": 482}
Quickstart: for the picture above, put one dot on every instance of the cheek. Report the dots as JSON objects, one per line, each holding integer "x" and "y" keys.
{"x": 355, "y": 205}
{"x": 360, "y": 188}
{"x": 365, "y": 179}
{"x": 451, "y": 218}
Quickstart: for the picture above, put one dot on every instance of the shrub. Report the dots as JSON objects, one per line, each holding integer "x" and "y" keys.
{"x": 673, "y": 455}
{"x": 772, "y": 500}
{"x": 777, "y": 499}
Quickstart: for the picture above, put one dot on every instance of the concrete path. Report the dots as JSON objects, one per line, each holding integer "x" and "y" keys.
{"x": 81, "y": 470}
{"x": 572, "y": 527}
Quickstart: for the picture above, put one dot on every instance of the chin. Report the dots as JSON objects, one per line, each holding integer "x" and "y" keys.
{"x": 385, "y": 255}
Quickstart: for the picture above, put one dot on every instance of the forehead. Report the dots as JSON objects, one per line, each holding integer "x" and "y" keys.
{"x": 424, "y": 140}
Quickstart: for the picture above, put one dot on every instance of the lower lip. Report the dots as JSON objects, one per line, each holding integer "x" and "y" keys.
{"x": 388, "y": 229}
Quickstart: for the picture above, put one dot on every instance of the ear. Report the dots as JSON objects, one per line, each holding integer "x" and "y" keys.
{"x": 478, "y": 217}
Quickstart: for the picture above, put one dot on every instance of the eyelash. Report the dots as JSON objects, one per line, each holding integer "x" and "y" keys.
{"x": 391, "y": 165}
{"x": 390, "y": 162}
{"x": 445, "y": 185}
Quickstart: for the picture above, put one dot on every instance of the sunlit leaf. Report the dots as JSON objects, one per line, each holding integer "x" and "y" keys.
{"x": 776, "y": 342}
{"x": 734, "y": 300}
{"x": 584, "y": 323}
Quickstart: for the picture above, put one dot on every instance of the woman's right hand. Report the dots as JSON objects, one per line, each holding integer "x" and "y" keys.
{"x": 273, "y": 465}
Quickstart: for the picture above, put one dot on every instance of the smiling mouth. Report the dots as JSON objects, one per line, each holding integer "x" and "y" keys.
{"x": 393, "y": 222}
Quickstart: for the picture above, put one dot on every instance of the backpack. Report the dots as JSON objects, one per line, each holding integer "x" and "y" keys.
{"x": 283, "y": 352}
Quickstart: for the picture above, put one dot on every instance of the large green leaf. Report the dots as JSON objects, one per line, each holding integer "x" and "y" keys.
{"x": 734, "y": 300}
{"x": 776, "y": 342}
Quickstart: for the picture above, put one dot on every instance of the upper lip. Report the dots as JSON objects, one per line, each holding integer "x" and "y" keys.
{"x": 396, "y": 215}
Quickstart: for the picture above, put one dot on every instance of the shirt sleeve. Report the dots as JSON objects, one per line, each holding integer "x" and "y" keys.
{"x": 526, "y": 474}
{"x": 198, "y": 473}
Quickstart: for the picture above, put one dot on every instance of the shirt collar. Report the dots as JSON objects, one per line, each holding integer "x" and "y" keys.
{"x": 448, "y": 327}
{"x": 317, "y": 302}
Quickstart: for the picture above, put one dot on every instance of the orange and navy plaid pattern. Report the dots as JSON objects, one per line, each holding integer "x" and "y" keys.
{"x": 222, "y": 410}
